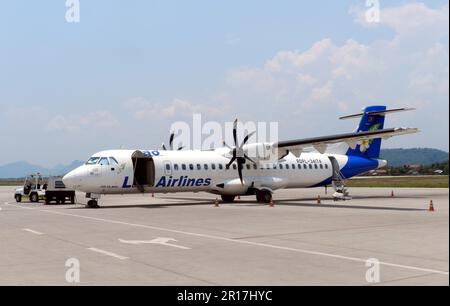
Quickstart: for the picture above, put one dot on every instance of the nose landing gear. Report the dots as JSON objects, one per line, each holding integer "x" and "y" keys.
{"x": 93, "y": 202}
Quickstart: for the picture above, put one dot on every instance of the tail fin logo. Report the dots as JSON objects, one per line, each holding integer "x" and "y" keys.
{"x": 364, "y": 144}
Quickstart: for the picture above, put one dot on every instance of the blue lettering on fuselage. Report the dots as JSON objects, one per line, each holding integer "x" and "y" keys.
{"x": 125, "y": 183}
{"x": 151, "y": 153}
{"x": 183, "y": 181}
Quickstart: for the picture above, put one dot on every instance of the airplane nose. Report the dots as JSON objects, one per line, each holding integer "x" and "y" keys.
{"x": 72, "y": 178}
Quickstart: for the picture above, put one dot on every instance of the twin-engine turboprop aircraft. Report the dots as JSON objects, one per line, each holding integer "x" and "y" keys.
{"x": 231, "y": 171}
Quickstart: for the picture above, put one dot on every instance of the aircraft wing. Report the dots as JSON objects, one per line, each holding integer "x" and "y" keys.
{"x": 352, "y": 139}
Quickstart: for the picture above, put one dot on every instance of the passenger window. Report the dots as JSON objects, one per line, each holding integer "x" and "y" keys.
{"x": 168, "y": 167}
{"x": 326, "y": 166}
{"x": 315, "y": 166}
{"x": 220, "y": 166}
{"x": 248, "y": 166}
{"x": 205, "y": 166}
{"x": 104, "y": 161}
{"x": 274, "y": 167}
{"x": 304, "y": 166}
{"x": 183, "y": 166}
{"x": 293, "y": 166}
{"x": 191, "y": 166}
{"x": 175, "y": 167}
{"x": 299, "y": 166}
{"x": 213, "y": 166}
{"x": 234, "y": 167}
{"x": 281, "y": 166}
{"x": 287, "y": 166}
{"x": 310, "y": 166}
{"x": 321, "y": 166}
{"x": 199, "y": 167}
{"x": 255, "y": 167}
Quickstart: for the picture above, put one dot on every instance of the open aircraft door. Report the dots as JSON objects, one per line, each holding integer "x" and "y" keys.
{"x": 143, "y": 171}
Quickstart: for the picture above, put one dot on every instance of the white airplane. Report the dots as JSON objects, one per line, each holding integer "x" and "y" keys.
{"x": 230, "y": 172}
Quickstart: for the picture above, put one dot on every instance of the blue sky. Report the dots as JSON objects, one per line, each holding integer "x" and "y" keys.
{"x": 70, "y": 89}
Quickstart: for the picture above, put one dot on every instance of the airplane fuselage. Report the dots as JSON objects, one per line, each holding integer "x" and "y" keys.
{"x": 196, "y": 171}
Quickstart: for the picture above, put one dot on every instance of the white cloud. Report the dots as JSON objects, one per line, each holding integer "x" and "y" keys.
{"x": 411, "y": 69}
{"x": 143, "y": 108}
{"x": 74, "y": 124}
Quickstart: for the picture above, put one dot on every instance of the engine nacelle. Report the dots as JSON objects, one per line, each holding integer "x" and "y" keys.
{"x": 259, "y": 151}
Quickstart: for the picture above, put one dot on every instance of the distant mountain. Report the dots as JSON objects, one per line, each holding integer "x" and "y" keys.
{"x": 416, "y": 156}
{"x": 21, "y": 169}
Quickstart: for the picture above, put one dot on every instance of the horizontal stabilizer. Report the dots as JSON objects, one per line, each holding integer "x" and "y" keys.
{"x": 380, "y": 113}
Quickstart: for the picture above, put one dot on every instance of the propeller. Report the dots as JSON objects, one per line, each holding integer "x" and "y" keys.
{"x": 238, "y": 153}
{"x": 172, "y": 137}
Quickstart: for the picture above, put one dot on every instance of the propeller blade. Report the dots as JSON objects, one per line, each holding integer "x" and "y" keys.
{"x": 235, "y": 132}
{"x": 247, "y": 138}
{"x": 172, "y": 136}
{"x": 231, "y": 162}
{"x": 226, "y": 145}
{"x": 249, "y": 159}
{"x": 164, "y": 147}
{"x": 240, "y": 172}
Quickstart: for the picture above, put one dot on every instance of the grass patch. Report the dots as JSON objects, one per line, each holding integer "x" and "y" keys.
{"x": 432, "y": 181}
{"x": 11, "y": 183}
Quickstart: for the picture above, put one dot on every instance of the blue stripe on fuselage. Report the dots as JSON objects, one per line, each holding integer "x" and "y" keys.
{"x": 355, "y": 165}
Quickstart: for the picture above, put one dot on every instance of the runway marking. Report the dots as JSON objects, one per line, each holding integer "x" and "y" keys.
{"x": 32, "y": 231}
{"x": 161, "y": 240}
{"x": 304, "y": 251}
{"x": 24, "y": 207}
{"x": 107, "y": 253}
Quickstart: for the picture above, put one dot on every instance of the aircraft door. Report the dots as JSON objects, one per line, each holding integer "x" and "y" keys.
{"x": 337, "y": 177}
{"x": 108, "y": 170}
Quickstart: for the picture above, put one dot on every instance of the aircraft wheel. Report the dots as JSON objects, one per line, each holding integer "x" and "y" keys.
{"x": 264, "y": 196}
{"x": 92, "y": 204}
{"x": 18, "y": 198}
{"x": 228, "y": 198}
{"x": 259, "y": 199}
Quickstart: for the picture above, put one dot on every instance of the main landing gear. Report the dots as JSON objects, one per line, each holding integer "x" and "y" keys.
{"x": 228, "y": 198}
{"x": 264, "y": 196}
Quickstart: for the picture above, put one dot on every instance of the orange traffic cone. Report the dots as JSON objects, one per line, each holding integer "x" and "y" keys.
{"x": 319, "y": 200}
{"x": 431, "y": 206}
{"x": 271, "y": 204}
{"x": 216, "y": 203}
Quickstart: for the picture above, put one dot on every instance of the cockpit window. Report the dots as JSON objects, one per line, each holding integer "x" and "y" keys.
{"x": 93, "y": 161}
{"x": 113, "y": 161}
{"x": 104, "y": 161}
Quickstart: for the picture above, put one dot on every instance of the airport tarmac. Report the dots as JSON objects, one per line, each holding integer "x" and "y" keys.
{"x": 182, "y": 239}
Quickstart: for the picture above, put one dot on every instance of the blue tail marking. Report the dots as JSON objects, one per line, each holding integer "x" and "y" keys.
{"x": 370, "y": 148}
